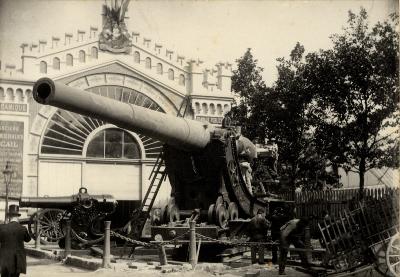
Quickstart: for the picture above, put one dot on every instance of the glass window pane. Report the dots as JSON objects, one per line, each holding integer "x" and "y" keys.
{"x": 96, "y": 146}
{"x": 131, "y": 149}
{"x": 113, "y": 143}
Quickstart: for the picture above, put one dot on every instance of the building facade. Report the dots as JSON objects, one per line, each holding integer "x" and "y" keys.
{"x": 55, "y": 152}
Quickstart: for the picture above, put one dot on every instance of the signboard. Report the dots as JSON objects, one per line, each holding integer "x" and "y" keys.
{"x": 12, "y": 149}
{"x": 210, "y": 119}
{"x": 12, "y": 107}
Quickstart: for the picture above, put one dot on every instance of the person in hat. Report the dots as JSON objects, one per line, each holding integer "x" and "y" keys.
{"x": 258, "y": 230}
{"x": 12, "y": 250}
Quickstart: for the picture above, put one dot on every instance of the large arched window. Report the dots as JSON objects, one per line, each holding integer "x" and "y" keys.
{"x": 113, "y": 143}
{"x": 67, "y": 132}
{"x": 182, "y": 80}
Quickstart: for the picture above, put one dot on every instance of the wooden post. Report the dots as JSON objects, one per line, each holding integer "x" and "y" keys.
{"x": 106, "y": 250}
{"x": 37, "y": 233}
{"x": 68, "y": 238}
{"x": 192, "y": 244}
{"x": 307, "y": 243}
{"x": 162, "y": 255}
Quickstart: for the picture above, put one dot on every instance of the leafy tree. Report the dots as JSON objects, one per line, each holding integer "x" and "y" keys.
{"x": 248, "y": 85}
{"x": 288, "y": 112}
{"x": 356, "y": 84}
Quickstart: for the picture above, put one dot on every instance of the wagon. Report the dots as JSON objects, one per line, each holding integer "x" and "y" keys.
{"x": 364, "y": 237}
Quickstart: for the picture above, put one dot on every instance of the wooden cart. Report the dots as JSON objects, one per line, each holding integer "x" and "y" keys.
{"x": 366, "y": 236}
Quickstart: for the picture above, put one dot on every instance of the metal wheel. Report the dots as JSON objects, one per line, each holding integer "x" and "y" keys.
{"x": 233, "y": 211}
{"x": 393, "y": 255}
{"x": 50, "y": 225}
{"x": 211, "y": 214}
{"x": 221, "y": 215}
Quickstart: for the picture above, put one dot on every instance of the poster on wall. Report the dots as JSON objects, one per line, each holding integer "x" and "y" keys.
{"x": 11, "y": 149}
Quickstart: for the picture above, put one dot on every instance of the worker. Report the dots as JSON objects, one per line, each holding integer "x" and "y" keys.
{"x": 278, "y": 218}
{"x": 12, "y": 250}
{"x": 258, "y": 226}
{"x": 292, "y": 233}
{"x": 246, "y": 173}
{"x": 227, "y": 121}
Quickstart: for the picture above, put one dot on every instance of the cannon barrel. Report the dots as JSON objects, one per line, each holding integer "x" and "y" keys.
{"x": 64, "y": 202}
{"x": 185, "y": 134}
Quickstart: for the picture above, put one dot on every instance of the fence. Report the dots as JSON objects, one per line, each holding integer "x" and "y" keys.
{"x": 332, "y": 202}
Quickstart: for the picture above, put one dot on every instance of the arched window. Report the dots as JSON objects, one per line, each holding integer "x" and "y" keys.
{"x": 148, "y": 63}
{"x": 204, "y": 108}
{"x": 115, "y": 144}
{"x": 94, "y": 52}
{"x": 159, "y": 69}
{"x": 136, "y": 57}
{"x": 170, "y": 74}
{"x": 212, "y": 109}
{"x": 182, "y": 79}
{"x": 219, "y": 109}
{"x": 197, "y": 107}
{"x": 19, "y": 95}
{"x": 82, "y": 56}
{"x": 69, "y": 60}
{"x": 56, "y": 63}
{"x": 43, "y": 67}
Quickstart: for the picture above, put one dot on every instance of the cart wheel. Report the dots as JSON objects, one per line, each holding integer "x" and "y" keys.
{"x": 50, "y": 227}
{"x": 393, "y": 255}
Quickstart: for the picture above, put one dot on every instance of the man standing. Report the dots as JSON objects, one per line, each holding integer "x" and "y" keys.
{"x": 12, "y": 250}
{"x": 292, "y": 233}
{"x": 258, "y": 233}
{"x": 278, "y": 218}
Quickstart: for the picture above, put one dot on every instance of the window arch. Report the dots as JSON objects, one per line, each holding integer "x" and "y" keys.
{"x": 136, "y": 57}
{"x": 43, "y": 67}
{"x": 82, "y": 56}
{"x": 170, "y": 74}
{"x": 69, "y": 60}
{"x": 56, "y": 63}
{"x": 219, "y": 109}
{"x": 94, "y": 52}
{"x": 148, "y": 63}
{"x": 113, "y": 143}
{"x": 204, "y": 108}
{"x": 212, "y": 108}
{"x": 159, "y": 69}
{"x": 182, "y": 79}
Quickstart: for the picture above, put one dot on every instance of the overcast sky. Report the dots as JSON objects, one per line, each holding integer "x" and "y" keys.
{"x": 210, "y": 30}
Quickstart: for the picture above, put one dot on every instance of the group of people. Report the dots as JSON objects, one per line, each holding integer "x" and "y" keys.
{"x": 285, "y": 231}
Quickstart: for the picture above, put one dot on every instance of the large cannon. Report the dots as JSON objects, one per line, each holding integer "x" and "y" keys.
{"x": 204, "y": 163}
{"x": 86, "y": 213}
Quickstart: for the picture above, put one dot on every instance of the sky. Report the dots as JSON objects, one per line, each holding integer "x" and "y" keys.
{"x": 212, "y": 31}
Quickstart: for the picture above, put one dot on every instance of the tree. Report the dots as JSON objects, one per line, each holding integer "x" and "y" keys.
{"x": 356, "y": 84}
{"x": 288, "y": 112}
{"x": 248, "y": 85}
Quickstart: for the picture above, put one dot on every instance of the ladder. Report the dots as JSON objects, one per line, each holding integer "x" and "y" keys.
{"x": 157, "y": 176}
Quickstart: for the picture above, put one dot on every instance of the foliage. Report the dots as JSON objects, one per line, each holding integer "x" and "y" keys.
{"x": 356, "y": 85}
{"x": 335, "y": 107}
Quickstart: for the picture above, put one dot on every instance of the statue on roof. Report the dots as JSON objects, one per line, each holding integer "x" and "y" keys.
{"x": 115, "y": 36}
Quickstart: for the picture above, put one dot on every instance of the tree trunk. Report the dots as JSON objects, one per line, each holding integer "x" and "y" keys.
{"x": 361, "y": 175}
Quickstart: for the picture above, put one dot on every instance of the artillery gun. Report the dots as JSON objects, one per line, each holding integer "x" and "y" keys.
{"x": 86, "y": 212}
{"x": 203, "y": 162}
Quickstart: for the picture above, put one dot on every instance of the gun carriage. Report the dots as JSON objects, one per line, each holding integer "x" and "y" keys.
{"x": 202, "y": 162}
{"x": 86, "y": 213}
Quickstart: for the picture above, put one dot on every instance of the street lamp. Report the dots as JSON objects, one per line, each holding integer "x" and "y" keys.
{"x": 7, "y": 172}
